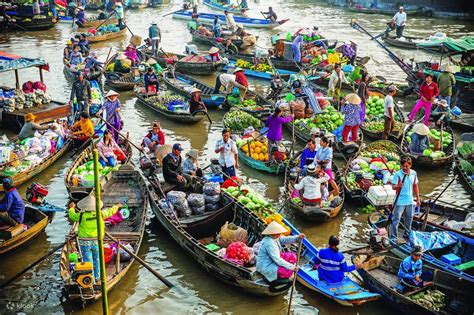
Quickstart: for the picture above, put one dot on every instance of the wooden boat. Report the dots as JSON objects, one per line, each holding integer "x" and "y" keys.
{"x": 408, "y": 43}
{"x": 339, "y": 148}
{"x": 346, "y": 292}
{"x": 16, "y": 237}
{"x": 79, "y": 192}
{"x": 384, "y": 280}
{"x": 198, "y": 68}
{"x": 359, "y": 193}
{"x": 464, "y": 123}
{"x": 390, "y": 11}
{"x": 72, "y": 73}
{"x": 222, "y": 7}
{"x": 28, "y": 23}
{"x": 399, "y": 117}
{"x": 427, "y": 161}
{"x": 184, "y": 117}
{"x": 22, "y": 177}
{"x": 182, "y": 85}
{"x": 208, "y": 18}
{"x": 122, "y": 81}
{"x": 262, "y": 111}
{"x": 193, "y": 233}
{"x": 278, "y": 63}
{"x": 128, "y": 187}
{"x": 211, "y": 40}
{"x": 266, "y": 167}
{"x": 467, "y": 178}
{"x": 138, "y": 4}
{"x": 91, "y": 22}
{"x": 106, "y": 36}
{"x": 95, "y": 5}
{"x": 312, "y": 214}
{"x": 284, "y": 74}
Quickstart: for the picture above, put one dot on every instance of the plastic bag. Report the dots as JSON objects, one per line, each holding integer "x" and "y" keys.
{"x": 215, "y": 199}
{"x": 198, "y": 210}
{"x": 176, "y": 197}
{"x": 212, "y": 207}
{"x": 230, "y": 233}
{"x": 196, "y": 200}
{"x": 282, "y": 272}
{"x": 211, "y": 188}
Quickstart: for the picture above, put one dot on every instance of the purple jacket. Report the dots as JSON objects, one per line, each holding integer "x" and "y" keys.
{"x": 110, "y": 108}
{"x": 274, "y": 125}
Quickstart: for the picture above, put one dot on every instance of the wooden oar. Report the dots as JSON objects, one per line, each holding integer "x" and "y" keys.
{"x": 126, "y": 138}
{"x": 142, "y": 262}
{"x": 205, "y": 113}
{"x": 180, "y": 10}
{"x": 97, "y": 27}
{"x": 300, "y": 243}
{"x": 35, "y": 263}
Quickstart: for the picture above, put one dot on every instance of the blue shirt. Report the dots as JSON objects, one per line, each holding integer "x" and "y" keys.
{"x": 418, "y": 143}
{"x": 269, "y": 259}
{"x": 409, "y": 268}
{"x": 324, "y": 154}
{"x": 307, "y": 157}
{"x": 14, "y": 205}
{"x": 406, "y": 193}
{"x": 332, "y": 265}
{"x": 351, "y": 114}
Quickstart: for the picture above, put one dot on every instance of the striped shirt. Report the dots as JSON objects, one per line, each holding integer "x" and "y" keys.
{"x": 332, "y": 265}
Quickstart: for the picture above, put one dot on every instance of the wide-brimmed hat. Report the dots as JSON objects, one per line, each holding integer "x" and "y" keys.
{"x": 121, "y": 57}
{"x": 118, "y": 3}
{"x": 443, "y": 103}
{"x": 353, "y": 98}
{"x": 274, "y": 228}
{"x": 311, "y": 169}
{"x": 151, "y": 61}
{"x": 194, "y": 90}
{"x": 88, "y": 204}
{"x": 237, "y": 70}
{"x": 213, "y": 50}
{"x": 80, "y": 8}
{"x": 111, "y": 93}
{"x": 193, "y": 153}
{"x": 421, "y": 129}
{"x": 29, "y": 117}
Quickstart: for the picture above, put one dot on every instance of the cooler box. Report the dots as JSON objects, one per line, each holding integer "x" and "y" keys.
{"x": 451, "y": 259}
{"x": 381, "y": 195}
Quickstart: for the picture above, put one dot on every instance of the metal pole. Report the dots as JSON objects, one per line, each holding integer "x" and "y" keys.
{"x": 17, "y": 79}
{"x": 100, "y": 235}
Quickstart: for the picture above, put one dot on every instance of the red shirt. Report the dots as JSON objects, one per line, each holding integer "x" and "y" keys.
{"x": 429, "y": 91}
{"x": 241, "y": 79}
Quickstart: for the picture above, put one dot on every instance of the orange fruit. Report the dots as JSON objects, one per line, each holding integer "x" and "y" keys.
{"x": 258, "y": 150}
{"x": 252, "y": 145}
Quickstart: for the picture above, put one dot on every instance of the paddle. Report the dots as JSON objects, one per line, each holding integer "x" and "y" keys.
{"x": 126, "y": 138}
{"x": 106, "y": 60}
{"x": 105, "y": 21}
{"x": 180, "y": 10}
{"x": 36, "y": 262}
{"x": 300, "y": 242}
{"x": 205, "y": 113}
{"x": 427, "y": 211}
{"x": 142, "y": 262}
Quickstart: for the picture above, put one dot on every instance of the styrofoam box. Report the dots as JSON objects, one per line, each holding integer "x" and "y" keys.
{"x": 381, "y": 195}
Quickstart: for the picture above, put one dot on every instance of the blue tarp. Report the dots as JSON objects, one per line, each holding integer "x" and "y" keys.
{"x": 9, "y": 62}
{"x": 432, "y": 240}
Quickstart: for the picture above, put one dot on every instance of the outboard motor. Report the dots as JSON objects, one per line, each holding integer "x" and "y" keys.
{"x": 35, "y": 193}
{"x": 379, "y": 238}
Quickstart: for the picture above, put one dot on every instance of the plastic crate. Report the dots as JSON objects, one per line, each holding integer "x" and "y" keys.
{"x": 451, "y": 259}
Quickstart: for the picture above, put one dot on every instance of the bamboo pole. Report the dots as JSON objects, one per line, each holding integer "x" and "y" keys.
{"x": 300, "y": 243}
{"x": 100, "y": 236}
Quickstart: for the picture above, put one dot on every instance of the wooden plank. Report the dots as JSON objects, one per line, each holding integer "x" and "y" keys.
{"x": 45, "y": 113}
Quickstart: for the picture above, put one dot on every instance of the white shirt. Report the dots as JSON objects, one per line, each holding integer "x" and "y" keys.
{"x": 226, "y": 79}
{"x": 312, "y": 186}
{"x": 230, "y": 22}
{"x": 400, "y": 18}
{"x": 227, "y": 157}
{"x": 387, "y": 105}
{"x": 333, "y": 79}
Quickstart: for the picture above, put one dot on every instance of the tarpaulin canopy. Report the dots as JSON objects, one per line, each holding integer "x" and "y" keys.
{"x": 466, "y": 43}
{"x": 9, "y": 62}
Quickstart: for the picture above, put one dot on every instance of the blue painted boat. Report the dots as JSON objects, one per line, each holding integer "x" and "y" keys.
{"x": 217, "y": 6}
{"x": 346, "y": 292}
{"x": 285, "y": 74}
{"x": 182, "y": 84}
{"x": 208, "y": 18}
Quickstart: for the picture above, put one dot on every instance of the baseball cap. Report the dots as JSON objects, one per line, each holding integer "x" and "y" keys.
{"x": 178, "y": 147}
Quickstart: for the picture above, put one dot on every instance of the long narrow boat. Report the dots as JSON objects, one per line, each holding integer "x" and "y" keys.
{"x": 384, "y": 280}
{"x": 182, "y": 84}
{"x": 28, "y": 23}
{"x": 346, "y": 292}
{"x": 106, "y": 36}
{"x": 408, "y": 43}
{"x": 262, "y": 166}
{"x": 213, "y": 4}
{"x": 463, "y": 158}
{"x": 16, "y": 237}
{"x": 178, "y": 116}
{"x": 428, "y": 161}
{"x": 396, "y": 133}
{"x": 389, "y": 11}
{"x": 313, "y": 214}
{"x": 128, "y": 187}
{"x": 215, "y": 41}
{"x": 91, "y": 22}
{"x": 77, "y": 192}
{"x": 284, "y": 74}
{"x": 122, "y": 81}
{"x": 191, "y": 233}
{"x": 278, "y": 63}
{"x": 138, "y": 4}
{"x": 24, "y": 176}
{"x": 208, "y": 18}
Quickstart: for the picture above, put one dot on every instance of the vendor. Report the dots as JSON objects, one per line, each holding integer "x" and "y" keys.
{"x": 271, "y": 246}
{"x": 83, "y": 129}
{"x": 119, "y": 64}
{"x": 229, "y": 82}
{"x": 216, "y": 27}
{"x": 336, "y": 80}
{"x": 275, "y": 124}
{"x": 80, "y": 16}
{"x": 81, "y": 92}
{"x": 331, "y": 263}
{"x": 12, "y": 207}
{"x": 155, "y": 65}
{"x": 230, "y": 47}
{"x": 241, "y": 78}
{"x": 67, "y": 50}
{"x": 151, "y": 79}
{"x": 87, "y": 229}
{"x": 154, "y": 138}
{"x": 214, "y": 54}
{"x": 196, "y": 103}
{"x": 190, "y": 165}
{"x": 311, "y": 185}
{"x": 270, "y": 15}
{"x": 410, "y": 271}
{"x": 172, "y": 169}
{"x": 92, "y": 64}
{"x": 109, "y": 150}
{"x": 352, "y": 112}
{"x": 228, "y": 154}
{"x": 76, "y": 56}
{"x": 30, "y": 127}
{"x": 83, "y": 44}
{"x": 112, "y": 107}
{"x": 308, "y": 154}
{"x": 419, "y": 139}
{"x": 316, "y": 135}
{"x": 131, "y": 54}
{"x": 324, "y": 156}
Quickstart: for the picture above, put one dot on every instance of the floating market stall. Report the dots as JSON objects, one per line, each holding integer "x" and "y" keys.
{"x": 373, "y": 124}
{"x": 262, "y": 71}
{"x": 464, "y": 160}
{"x": 30, "y": 98}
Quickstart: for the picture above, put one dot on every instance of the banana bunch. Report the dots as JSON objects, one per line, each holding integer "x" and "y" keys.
{"x": 263, "y": 68}
{"x": 240, "y": 63}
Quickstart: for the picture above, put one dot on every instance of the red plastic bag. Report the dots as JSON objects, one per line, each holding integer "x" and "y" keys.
{"x": 27, "y": 87}
{"x": 92, "y": 30}
{"x": 120, "y": 155}
{"x": 38, "y": 85}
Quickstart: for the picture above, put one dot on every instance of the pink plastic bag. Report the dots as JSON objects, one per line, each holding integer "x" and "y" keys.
{"x": 284, "y": 273}
{"x": 115, "y": 219}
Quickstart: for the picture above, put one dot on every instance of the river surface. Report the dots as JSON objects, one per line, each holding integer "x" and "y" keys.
{"x": 40, "y": 290}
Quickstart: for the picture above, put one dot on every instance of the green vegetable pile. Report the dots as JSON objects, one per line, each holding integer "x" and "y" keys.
{"x": 466, "y": 150}
{"x": 238, "y": 121}
{"x": 433, "y": 300}
{"x": 85, "y": 172}
{"x": 374, "y": 107}
{"x": 329, "y": 119}
{"x": 378, "y": 126}
{"x": 252, "y": 200}
{"x": 250, "y": 104}
{"x": 163, "y": 99}
{"x": 367, "y": 209}
{"x": 435, "y": 135}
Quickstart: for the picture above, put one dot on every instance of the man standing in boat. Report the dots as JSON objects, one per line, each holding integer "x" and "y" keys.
{"x": 400, "y": 19}
{"x": 230, "y": 22}
{"x": 154, "y": 34}
{"x": 81, "y": 91}
{"x": 270, "y": 15}
{"x": 228, "y": 154}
